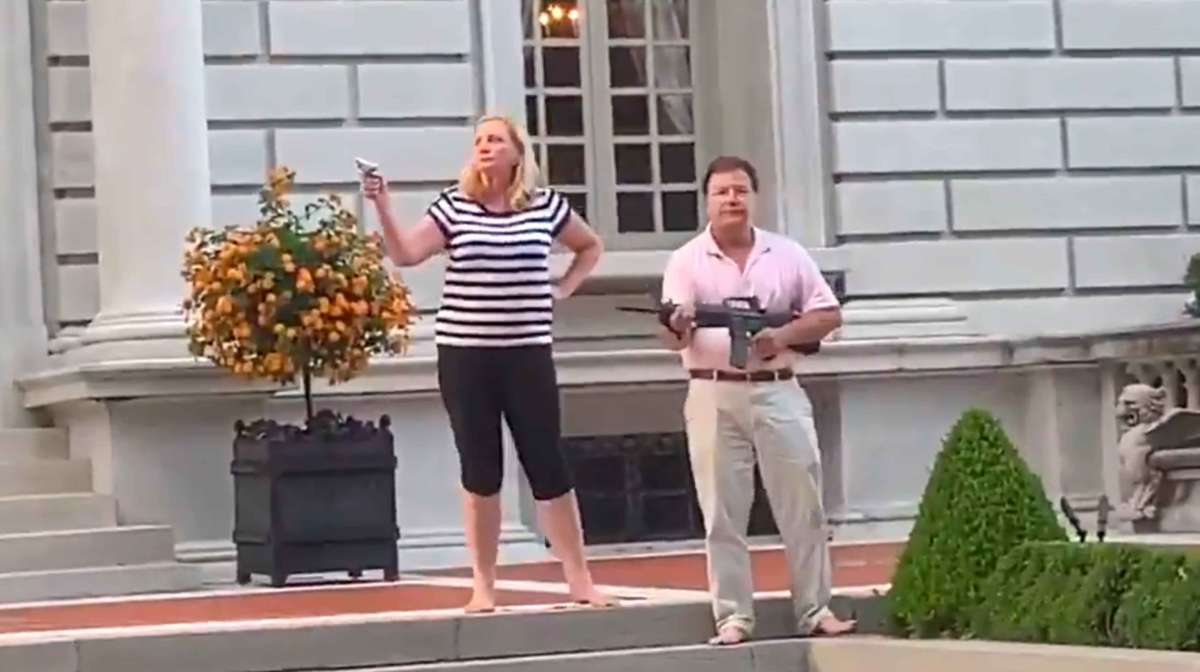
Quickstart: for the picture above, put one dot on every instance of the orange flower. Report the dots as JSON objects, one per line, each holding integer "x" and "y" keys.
{"x": 304, "y": 281}
{"x": 280, "y": 181}
{"x": 338, "y": 312}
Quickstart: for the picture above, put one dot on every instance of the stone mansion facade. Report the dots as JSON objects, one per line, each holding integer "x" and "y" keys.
{"x": 1004, "y": 188}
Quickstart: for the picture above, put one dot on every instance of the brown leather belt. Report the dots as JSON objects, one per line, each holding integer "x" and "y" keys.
{"x": 742, "y": 376}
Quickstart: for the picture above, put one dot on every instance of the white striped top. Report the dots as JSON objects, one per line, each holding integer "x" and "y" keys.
{"x": 497, "y": 286}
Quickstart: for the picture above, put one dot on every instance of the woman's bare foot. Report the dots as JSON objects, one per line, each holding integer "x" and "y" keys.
{"x": 594, "y": 598}
{"x": 729, "y": 634}
{"x": 560, "y": 520}
{"x": 481, "y": 603}
{"x": 833, "y": 626}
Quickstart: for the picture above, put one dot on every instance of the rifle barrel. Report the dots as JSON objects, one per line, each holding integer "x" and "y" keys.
{"x": 634, "y": 309}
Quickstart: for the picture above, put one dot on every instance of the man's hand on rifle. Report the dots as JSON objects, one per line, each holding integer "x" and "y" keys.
{"x": 678, "y": 331}
{"x": 683, "y": 320}
{"x": 768, "y": 343}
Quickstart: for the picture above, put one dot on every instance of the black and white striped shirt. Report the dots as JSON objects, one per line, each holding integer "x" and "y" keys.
{"x": 497, "y": 286}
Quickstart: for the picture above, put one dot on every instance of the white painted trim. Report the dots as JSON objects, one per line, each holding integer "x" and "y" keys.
{"x": 500, "y": 59}
{"x": 800, "y": 85}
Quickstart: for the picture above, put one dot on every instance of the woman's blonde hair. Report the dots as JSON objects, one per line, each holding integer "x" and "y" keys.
{"x": 525, "y": 178}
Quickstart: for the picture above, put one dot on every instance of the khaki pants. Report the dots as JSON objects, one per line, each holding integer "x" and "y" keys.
{"x": 729, "y": 424}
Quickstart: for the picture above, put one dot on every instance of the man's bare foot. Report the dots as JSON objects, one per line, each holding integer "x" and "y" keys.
{"x": 594, "y": 598}
{"x": 833, "y": 626}
{"x": 729, "y": 634}
{"x": 481, "y": 603}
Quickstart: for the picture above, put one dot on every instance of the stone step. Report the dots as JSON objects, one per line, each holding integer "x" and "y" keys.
{"x": 43, "y": 513}
{"x": 844, "y": 655}
{"x": 570, "y": 641}
{"x": 69, "y": 549}
{"x": 42, "y": 443}
{"x": 762, "y": 656}
{"x": 44, "y": 477}
{"x": 88, "y": 582}
{"x": 354, "y": 640}
{"x": 851, "y": 654}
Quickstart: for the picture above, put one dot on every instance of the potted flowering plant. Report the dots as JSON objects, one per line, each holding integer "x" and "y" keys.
{"x": 302, "y": 295}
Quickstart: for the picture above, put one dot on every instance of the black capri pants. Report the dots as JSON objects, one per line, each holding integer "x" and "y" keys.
{"x": 478, "y": 386}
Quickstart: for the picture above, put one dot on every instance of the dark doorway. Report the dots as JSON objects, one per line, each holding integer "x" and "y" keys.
{"x": 638, "y": 487}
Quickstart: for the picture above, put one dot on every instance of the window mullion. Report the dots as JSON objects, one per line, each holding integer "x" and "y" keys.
{"x": 652, "y": 112}
{"x": 543, "y": 156}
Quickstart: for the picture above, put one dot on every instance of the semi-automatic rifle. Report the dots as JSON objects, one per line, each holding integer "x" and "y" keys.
{"x": 741, "y": 315}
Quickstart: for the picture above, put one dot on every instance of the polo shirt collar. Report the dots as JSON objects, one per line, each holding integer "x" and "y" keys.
{"x": 761, "y": 245}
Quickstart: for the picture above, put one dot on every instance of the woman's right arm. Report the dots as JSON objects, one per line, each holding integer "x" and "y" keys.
{"x": 405, "y": 246}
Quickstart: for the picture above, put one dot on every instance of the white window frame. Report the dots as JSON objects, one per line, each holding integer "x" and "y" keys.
{"x": 600, "y": 139}
{"x": 795, "y": 170}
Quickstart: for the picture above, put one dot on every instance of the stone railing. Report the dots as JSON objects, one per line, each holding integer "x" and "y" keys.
{"x": 1177, "y": 375}
{"x": 1158, "y": 413}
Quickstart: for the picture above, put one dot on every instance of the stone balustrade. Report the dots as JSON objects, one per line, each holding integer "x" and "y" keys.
{"x": 1156, "y": 374}
{"x": 1178, "y": 375}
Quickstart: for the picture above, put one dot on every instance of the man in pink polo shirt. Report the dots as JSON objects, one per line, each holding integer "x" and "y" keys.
{"x": 736, "y": 416}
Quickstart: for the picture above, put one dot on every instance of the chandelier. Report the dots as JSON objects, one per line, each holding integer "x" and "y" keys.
{"x": 556, "y": 14}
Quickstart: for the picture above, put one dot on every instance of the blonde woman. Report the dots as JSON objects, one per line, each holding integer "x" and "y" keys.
{"x": 494, "y": 337}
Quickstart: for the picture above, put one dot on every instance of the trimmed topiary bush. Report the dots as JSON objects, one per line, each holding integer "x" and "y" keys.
{"x": 1088, "y": 618}
{"x": 1030, "y": 594}
{"x": 1159, "y": 611}
{"x": 1062, "y": 593}
{"x": 981, "y": 502}
{"x": 1092, "y": 594}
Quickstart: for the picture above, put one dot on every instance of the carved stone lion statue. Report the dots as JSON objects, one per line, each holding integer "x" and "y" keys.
{"x": 1139, "y": 407}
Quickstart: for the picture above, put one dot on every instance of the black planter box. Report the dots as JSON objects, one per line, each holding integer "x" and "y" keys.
{"x": 321, "y": 500}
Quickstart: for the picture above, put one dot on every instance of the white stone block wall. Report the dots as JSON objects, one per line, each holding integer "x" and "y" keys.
{"x": 1034, "y": 158}
{"x": 1058, "y": 141}
{"x": 307, "y": 83}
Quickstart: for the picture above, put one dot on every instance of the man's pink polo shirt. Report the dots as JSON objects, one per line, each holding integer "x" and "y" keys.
{"x": 779, "y": 271}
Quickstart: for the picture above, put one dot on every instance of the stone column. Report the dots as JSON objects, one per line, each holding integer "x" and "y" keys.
{"x": 802, "y": 131}
{"x": 151, "y": 160}
{"x": 22, "y": 320}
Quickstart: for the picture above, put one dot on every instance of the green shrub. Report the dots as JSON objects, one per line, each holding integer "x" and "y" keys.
{"x": 1094, "y": 594}
{"x": 1005, "y": 589}
{"x": 981, "y": 501}
{"x": 1191, "y": 279}
{"x": 1025, "y": 598}
{"x": 1160, "y": 610}
{"x": 1088, "y": 618}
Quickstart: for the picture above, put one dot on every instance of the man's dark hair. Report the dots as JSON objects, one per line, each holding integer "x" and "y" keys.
{"x": 729, "y": 164}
